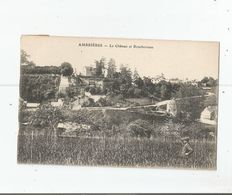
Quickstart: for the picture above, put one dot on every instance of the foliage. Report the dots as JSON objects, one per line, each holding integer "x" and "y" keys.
{"x": 125, "y": 75}
{"x": 40, "y": 70}
{"x": 43, "y": 120}
{"x": 188, "y": 90}
{"x": 137, "y": 93}
{"x": 108, "y": 143}
{"x": 100, "y": 66}
{"x": 72, "y": 91}
{"x": 36, "y": 88}
{"x": 66, "y": 69}
{"x": 208, "y": 82}
{"x": 24, "y": 59}
{"x": 140, "y": 128}
{"x": 114, "y": 152}
{"x": 102, "y": 102}
{"x": 111, "y": 70}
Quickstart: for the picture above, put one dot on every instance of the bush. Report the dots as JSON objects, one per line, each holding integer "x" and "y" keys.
{"x": 140, "y": 128}
{"x": 36, "y": 88}
{"x": 43, "y": 120}
{"x": 102, "y": 102}
{"x": 92, "y": 90}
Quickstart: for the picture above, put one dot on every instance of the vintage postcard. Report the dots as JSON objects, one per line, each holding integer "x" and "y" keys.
{"x": 118, "y": 102}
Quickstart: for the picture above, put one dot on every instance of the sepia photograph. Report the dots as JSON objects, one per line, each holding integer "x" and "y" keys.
{"x": 118, "y": 102}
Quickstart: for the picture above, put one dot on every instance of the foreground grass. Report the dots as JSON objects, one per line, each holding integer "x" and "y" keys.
{"x": 114, "y": 152}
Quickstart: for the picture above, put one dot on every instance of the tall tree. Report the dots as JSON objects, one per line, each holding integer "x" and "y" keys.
{"x": 66, "y": 69}
{"x": 137, "y": 79}
{"x": 125, "y": 78}
{"x": 126, "y": 75}
{"x": 111, "y": 70}
{"x": 24, "y": 59}
{"x": 135, "y": 75}
{"x": 100, "y": 66}
{"x": 148, "y": 85}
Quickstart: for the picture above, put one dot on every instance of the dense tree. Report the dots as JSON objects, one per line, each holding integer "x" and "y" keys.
{"x": 165, "y": 90}
{"x": 205, "y": 80}
{"x": 126, "y": 75}
{"x": 149, "y": 86}
{"x": 100, "y": 66}
{"x": 137, "y": 92}
{"x": 66, "y": 69}
{"x": 188, "y": 90}
{"x": 111, "y": 70}
{"x": 40, "y": 70}
{"x": 208, "y": 82}
{"x": 24, "y": 59}
{"x": 137, "y": 79}
{"x": 130, "y": 92}
{"x": 135, "y": 75}
{"x": 125, "y": 79}
{"x": 36, "y": 88}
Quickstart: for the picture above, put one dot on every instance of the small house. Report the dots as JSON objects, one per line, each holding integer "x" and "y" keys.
{"x": 32, "y": 106}
{"x": 89, "y": 71}
{"x": 59, "y": 103}
{"x": 77, "y": 104}
{"x": 167, "y": 106}
{"x": 209, "y": 115}
{"x": 94, "y": 97}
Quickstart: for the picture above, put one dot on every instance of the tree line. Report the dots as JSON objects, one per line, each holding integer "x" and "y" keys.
{"x": 130, "y": 84}
{"x": 29, "y": 67}
{"x": 118, "y": 81}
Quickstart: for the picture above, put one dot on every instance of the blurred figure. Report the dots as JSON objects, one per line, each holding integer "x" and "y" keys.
{"x": 186, "y": 149}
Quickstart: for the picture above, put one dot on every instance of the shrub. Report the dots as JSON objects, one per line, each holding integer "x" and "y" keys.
{"x": 36, "y": 88}
{"x": 140, "y": 128}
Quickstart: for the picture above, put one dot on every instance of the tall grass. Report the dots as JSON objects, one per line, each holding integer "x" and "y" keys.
{"x": 114, "y": 152}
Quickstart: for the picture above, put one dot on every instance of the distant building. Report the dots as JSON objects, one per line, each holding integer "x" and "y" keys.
{"x": 209, "y": 115}
{"x": 92, "y": 81}
{"x": 167, "y": 106}
{"x": 77, "y": 104}
{"x": 90, "y": 71}
{"x": 206, "y": 88}
{"x": 59, "y": 103}
{"x": 97, "y": 97}
{"x": 175, "y": 80}
{"x": 94, "y": 97}
{"x": 158, "y": 78}
{"x": 32, "y": 106}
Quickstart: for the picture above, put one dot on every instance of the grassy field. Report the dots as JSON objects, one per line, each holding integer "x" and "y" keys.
{"x": 110, "y": 142}
{"x": 114, "y": 152}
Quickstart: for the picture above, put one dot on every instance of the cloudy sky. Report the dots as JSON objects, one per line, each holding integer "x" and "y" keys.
{"x": 175, "y": 59}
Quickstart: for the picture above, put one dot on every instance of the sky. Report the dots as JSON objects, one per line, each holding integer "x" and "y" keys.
{"x": 175, "y": 59}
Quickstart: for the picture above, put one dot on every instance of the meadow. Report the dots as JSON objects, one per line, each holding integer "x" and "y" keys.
{"x": 112, "y": 142}
{"x": 114, "y": 152}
